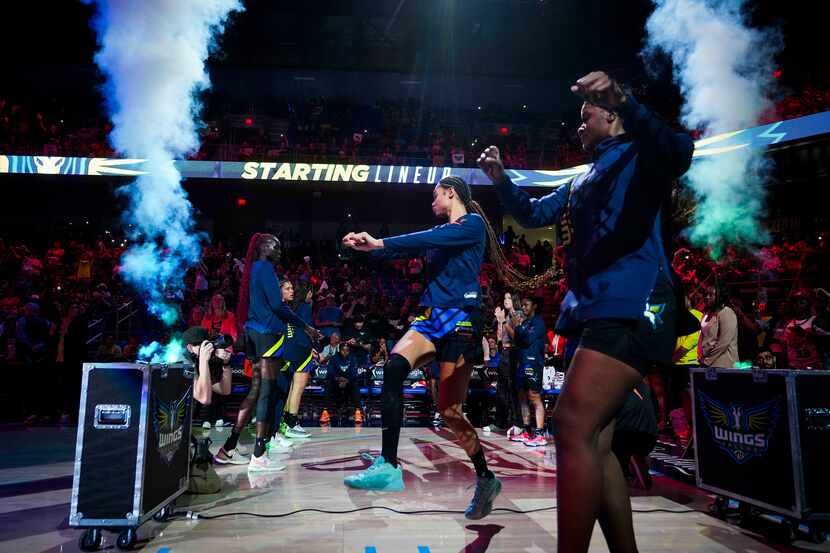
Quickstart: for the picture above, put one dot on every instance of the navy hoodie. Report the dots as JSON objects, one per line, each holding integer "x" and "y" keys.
{"x": 454, "y": 253}
{"x": 340, "y": 366}
{"x": 266, "y": 311}
{"x": 530, "y": 337}
{"x": 610, "y": 217}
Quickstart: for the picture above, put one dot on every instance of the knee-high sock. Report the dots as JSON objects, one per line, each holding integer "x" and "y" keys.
{"x": 265, "y": 399}
{"x": 395, "y": 372}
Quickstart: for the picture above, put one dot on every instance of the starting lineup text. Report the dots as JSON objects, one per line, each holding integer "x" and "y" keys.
{"x": 337, "y": 172}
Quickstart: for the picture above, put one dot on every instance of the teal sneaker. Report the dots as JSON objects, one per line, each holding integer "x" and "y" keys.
{"x": 487, "y": 489}
{"x": 381, "y": 476}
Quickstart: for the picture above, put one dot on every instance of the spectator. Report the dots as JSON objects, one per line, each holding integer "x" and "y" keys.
{"x": 360, "y": 341}
{"x": 765, "y": 360}
{"x": 130, "y": 351}
{"x": 801, "y": 337}
{"x": 718, "y": 343}
{"x": 342, "y": 383}
{"x": 679, "y": 383}
{"x": 748, "y": 331}
{"x": 331, "y": 348}
{"x": 219, "y": 320}
{"x": 33, "y": 333}
{"x": 197, "y": 315}
{"x": 109, "y": 351}
{"x": 329, "y": 317}
{"x": 380, "y": 351}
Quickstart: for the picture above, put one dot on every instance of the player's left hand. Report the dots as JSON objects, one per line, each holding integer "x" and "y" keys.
{"x": 362, "y": 241}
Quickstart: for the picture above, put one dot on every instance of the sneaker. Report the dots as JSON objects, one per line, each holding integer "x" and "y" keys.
{"x": 296, "y": 433}
{"x": 206, "y": 425}
{"x": 243, "y": 449}
{"x": 513, "y": 431}
{"x": 523, "y": 437}
{"x": 324, "y": 417}
{"x": 278, "y": 444}
{"x": 487, "y": 489}
{"x": 381, "y": 476}
{"x": 358, "y": 416}
{"x": 231, "y": 457}
{"x": 264, "y": 464}
{"x": 537, "y": 441}
{"x": 437, "y": 420}
{"x": 489, "y": 429}
{"x": 220, "y": 425}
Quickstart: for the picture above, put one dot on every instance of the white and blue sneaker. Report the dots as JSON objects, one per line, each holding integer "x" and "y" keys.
{"x": 487, "y": 489}
{"x": 381, "y": 476}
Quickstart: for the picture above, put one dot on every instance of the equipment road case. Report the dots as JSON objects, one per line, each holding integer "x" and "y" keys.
{"x": 762, "y": 437}
{"x": 132, "y": 453}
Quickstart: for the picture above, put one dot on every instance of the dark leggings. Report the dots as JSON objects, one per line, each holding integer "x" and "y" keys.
{"x": 280, "y": 396}
{"x": 270, "y": 367}
{"x": 391, "y": 395}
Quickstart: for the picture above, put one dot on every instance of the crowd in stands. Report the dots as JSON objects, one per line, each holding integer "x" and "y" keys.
{"x": 338, "y": 130}
{"x": 57, "y": 305}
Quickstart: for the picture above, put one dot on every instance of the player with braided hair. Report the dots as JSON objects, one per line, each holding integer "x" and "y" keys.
{"x": 449, "y": 329}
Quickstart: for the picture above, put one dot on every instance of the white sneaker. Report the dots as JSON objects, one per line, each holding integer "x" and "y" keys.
{"x": 232, "y": 457}
{"x": 278, "y": 444}
{"x": 297, "y": 433}
{"x": 206, "y": 425}
{"x": 264, "y": 464}
{"x": 514, "y": 431}
{"x": 487, "y": 429}
{"x": 220, "y": 425}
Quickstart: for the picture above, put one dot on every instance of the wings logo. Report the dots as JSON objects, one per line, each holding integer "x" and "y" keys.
{"x": 654, "y": 314}
{"x": 168, "y": 421}
{"x": 742, "y": 432}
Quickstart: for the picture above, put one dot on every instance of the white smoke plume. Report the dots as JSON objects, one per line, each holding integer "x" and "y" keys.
{"x": 153, "y": 54}
{"x": 724, "y": 70}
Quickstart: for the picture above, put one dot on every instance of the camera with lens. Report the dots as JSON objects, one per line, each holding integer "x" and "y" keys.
{"x": 223, "y": 341}
{"x": 195, "y": 336}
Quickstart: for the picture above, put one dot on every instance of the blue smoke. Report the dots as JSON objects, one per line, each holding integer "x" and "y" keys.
{"x": 153, "y": 54}
{"x": 156, "y": 353}
{"x": 724, "y": 69}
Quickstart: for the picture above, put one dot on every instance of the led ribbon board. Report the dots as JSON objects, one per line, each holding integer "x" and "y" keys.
{"x": 757, "y": 137}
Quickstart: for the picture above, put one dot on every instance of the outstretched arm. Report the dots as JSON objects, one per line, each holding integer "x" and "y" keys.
{"x": 529, "y": 212}
{"x": 468, "y": 231}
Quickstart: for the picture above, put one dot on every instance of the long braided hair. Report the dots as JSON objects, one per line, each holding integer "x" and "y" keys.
{"x": 507, "y": 273}
{"x": 245, "y": 286}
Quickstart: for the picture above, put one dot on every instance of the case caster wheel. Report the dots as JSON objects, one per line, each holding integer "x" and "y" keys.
{"x": 90, "y": 540}
{"x": 162, "y": 514}
{"x": 126, "y": 539}
{"x": 786, "y": 533}
{"x": 720, "y": 506}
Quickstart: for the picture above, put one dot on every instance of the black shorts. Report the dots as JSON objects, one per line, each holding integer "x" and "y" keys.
{"x": 298, "y": 360}
{"x": 530, "y": 378}
{"x": 260, "y": 345}
{"x": 640, "y": 343}
{"x": 455, "y": 332}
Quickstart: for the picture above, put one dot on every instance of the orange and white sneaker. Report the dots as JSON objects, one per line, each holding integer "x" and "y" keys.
{"x": 358, "y": 417}
{"x": 523, "y": 437}
{"x": 324, "y": 417}
{"x": 264, "y": 463}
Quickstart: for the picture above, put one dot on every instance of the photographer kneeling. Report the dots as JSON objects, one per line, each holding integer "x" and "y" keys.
{"x": 213, "y": 373}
